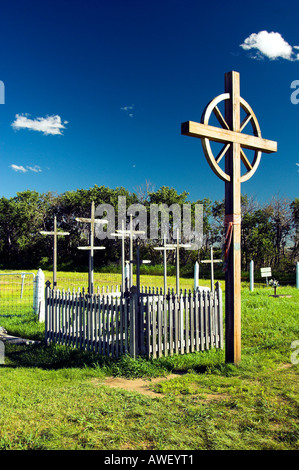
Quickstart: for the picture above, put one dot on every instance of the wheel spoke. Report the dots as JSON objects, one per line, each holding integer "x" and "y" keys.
{"x": 222, "y": 153}
{"x": 220, "y": 118}
{"x": 245, "y": 121}
{"x": 245, "y": 160}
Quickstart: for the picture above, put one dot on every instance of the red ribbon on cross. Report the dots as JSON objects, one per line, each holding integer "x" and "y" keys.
{"x": 229, "y": 221}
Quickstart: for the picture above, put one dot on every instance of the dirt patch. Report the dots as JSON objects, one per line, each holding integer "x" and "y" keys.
{"x": 137, "y": 385}
{"x": 144, "y": 386}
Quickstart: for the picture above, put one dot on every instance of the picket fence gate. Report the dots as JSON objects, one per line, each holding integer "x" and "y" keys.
{"x": 148, "y": 324}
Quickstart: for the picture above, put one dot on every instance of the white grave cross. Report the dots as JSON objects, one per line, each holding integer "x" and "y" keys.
{"x": 55, "y": 233}
{"x": 92, "y": 221}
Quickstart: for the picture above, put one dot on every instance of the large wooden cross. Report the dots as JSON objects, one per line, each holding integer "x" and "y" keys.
{"x": 92, "y": 221}
{"x": 55, "y": 233}
{"x": 234, "y": 141}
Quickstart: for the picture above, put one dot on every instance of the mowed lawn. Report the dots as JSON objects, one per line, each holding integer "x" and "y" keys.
{"x": 57, "y": 398}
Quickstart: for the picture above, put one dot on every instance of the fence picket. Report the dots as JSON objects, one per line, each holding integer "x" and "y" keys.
{"x": 170, "y": 310}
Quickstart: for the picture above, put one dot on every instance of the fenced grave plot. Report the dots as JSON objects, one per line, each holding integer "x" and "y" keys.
{"x": 149, "y": 324}
{"x": 16, "y": 293}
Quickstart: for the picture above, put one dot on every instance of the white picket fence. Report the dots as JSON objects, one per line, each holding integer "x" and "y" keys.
{"x": 148, "y": 324}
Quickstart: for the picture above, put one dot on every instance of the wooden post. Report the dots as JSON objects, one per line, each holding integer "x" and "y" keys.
{"x": 233, "y": 215}
{"x": 251, "y": 275}
{"x": 234, "y": 141}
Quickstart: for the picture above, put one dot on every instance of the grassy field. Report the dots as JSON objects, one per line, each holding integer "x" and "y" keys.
{"x": 55, "y": 398}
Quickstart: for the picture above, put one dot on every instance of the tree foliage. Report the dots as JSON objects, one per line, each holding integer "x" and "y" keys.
{"x": 269, "y": 232}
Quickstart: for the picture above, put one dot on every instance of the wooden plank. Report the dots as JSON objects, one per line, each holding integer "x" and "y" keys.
{"x": 108, "y": 322}
{"x": 216, "y": 307}
{"x": 191, "y": 324}
{"x": 171, "y": 313}
{"x": 176, "y": 324}
{"x": 121, "y": 325}
{"x": 126, "y": 313}
{"x": 47, "y": 314}
{"x": 159, "y": 327}
{"x": 117, "y": 327}
{"x": 89, "y": 322}
{"x": 95, "y": 322}
{"x": 216, "y": 134}
{"x": 196, "y": 310}
{"x": 220, "y": 315}
{"x": 141, "y": 326}
{"x": 132, "y": 327}
{"x": 201, "y": 320}
{"x": 154, "y": 319}
{"x": 181, "y": 324}
{"x": 104, "y": 323}
{"x": 206, "y": 320}
{"x": 211, "y": 315}
{"x": 148, "y": 328}
{"x": 55, "y": 317}
{"x": 187, "y": 323}
{"x": 165, "y": 331}
{"x": 112, "y": 318}
{"x": 100, "y": 311}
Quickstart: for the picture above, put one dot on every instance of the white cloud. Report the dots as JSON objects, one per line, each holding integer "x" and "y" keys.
{"x": 35, "y": 168}
{"x": 271, "y": 45}
{"x": 22, "y": 169}
{"x": 128, "y": 108}
{"x": 298, "y": 165}
{"x": 48, "y": 125}
{"x": 18, "y": 168}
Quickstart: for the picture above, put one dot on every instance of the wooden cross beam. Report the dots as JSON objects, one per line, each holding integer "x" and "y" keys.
{"x": 212, "y": 261}
{"x": 177, "y": 247}
{"x": 164, "y": 248}
{"x": 54, "y": 234}
{"x": 234, "y": 141}
{"x": 92, "y": 221}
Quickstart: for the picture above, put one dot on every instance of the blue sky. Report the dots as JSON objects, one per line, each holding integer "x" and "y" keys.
{"x": 96, "y": 91}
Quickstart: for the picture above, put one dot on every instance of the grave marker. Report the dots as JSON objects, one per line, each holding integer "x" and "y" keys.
{"x": 177, "y": 247}
{"x": 92, "y": 221}
{"x": 234, "y": 141}
{"x": 212, "y": 261}
{"x": 266, "y": 272}
{"x": 131, "y": 233}
{"x": 55, "y": 234}
{"x": 164, "y": 248}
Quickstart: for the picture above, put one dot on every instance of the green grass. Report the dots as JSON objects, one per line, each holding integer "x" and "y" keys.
{"x": 55, "y": 397}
